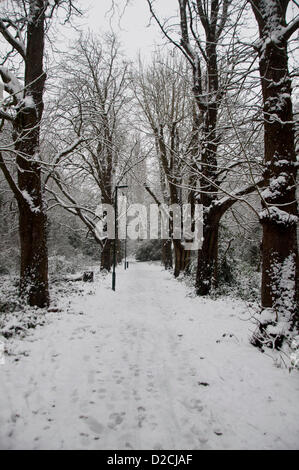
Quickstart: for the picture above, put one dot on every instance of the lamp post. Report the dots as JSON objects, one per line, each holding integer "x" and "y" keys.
{"x": 116, "y": 234}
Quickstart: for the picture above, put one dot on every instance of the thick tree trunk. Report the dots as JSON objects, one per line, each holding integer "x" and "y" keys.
{"x": 34, "y": 257}
{"x": 32, "y": 217}
{"x": 106, "y": 256}
{"x": 279, "y": 217}
{"x": 167, "y": 254}
{"x": 207, "y": 276}
{"x": 280, "y": 264}
{"x": 178, "y": 257}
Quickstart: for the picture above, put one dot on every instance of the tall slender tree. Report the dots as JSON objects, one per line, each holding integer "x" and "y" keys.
{"x": 164, "y": 97}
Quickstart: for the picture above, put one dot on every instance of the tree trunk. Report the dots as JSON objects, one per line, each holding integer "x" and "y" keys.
{"x": 181, "y": 258}
{"x": 279, "y": 217}
{"x": 279, "y": 267}
{"x": 34, "y": 257}
{"x": 167, "y": 254}
{"x": 32, "y": 217}
{"x": 106, "y": 258}
{"x": 207, "y": 276}
{"x": 178, "y": 257}
{"x": 119, "y": 252}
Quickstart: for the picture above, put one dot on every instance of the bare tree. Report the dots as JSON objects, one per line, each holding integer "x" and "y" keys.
{"x": 94, "y": 106}
{"x": 23, "y": 26}
{"x": 163, "y": 95}
{"x": 203, "y": 26}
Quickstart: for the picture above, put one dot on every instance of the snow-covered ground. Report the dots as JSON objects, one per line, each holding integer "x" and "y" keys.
{"x": 145, "y": 367}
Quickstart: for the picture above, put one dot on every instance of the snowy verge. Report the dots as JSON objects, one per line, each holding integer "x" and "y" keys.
{"x": 17, "y": 320}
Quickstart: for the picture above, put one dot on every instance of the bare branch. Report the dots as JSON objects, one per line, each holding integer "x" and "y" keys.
{"x": 14, "y": 42}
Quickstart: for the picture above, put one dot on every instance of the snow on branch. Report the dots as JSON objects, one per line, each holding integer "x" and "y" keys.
{"x": 274, "y": 31}
{"x": 11, "y": 84}
{"x": 278, "y": 216}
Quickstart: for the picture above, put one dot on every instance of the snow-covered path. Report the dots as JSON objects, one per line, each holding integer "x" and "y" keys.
{"x": 146, "y": 367}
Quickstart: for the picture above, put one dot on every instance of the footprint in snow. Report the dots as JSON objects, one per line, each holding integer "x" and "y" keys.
{"x": 116, "y": 419}
{"x": 195, "y": 404}
{"x": 141, "y": 416}
{"x": 94, "y": 425}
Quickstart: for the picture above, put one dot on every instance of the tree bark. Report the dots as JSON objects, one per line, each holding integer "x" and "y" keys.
{"x": 280, "y": 214}
{"x": 207, "y": 272}
{"x": 32, "y": 217}
{"x": 106, "y": 259}
{"x": 167, "y": 254}
{"x": 206, "y": 275}
{"x": 181, "y": 258}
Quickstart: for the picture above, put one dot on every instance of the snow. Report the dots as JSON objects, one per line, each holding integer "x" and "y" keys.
{"x": 12, "y": 84}
{"x": 274, "y": 30}
{"x": 278, "y": 216}
{"x": 284, "y": 275}
{"x": 276, "y": 186}
{"x": 29, "y": 201}
{"x": 28, "y": 102}
{"x": 267, "y": 316}
{"x": 280, "y": 328}
{"x": 150, "y": 366}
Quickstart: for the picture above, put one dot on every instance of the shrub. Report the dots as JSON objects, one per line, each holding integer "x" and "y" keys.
{"x": 149, "y": 250}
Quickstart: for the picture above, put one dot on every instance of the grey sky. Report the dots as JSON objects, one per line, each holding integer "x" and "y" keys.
{"x": 133, "y": 27}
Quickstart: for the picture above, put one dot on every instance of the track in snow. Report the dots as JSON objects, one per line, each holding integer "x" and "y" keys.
{"x": 145, "y": 367}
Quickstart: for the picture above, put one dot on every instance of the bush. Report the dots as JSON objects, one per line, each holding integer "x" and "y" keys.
{"x": 149, "y": 251}
{"x": 238, "y": 279}
{"x": 238, "y": 266}
{"x": 60, "y": 265}
{"x": 9, "y": 260}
